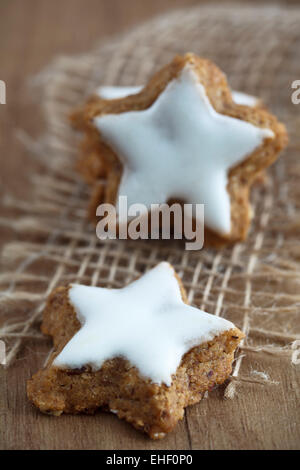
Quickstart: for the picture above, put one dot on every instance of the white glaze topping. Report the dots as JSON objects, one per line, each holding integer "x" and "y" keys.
{"x": 180, "y": 148}
{"x": 146, "y": 322}
{"x": 117, "y": 92}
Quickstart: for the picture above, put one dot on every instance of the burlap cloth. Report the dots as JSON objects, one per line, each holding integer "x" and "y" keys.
{"x": 256, "y": 284}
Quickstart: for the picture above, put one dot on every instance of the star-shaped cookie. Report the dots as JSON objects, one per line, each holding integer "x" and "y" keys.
{"x": 183, "y": 138}
{"x": 141, "y": 351}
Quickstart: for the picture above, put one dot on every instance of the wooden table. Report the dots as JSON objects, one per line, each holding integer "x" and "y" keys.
{"x": 31, "y": 33}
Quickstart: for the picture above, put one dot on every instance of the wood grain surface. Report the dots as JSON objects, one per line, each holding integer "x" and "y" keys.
{"x": 32, "y": 32}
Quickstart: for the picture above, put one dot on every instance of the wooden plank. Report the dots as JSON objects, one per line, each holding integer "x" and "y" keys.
{"x": 259, "y": 416}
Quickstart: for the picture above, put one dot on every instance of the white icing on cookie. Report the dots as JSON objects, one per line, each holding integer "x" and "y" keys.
{"x": 117, "y": 92}
{"x": 180, "y": 148}
{"x": 146, "y": 322}
{"x": 244, "y": 99}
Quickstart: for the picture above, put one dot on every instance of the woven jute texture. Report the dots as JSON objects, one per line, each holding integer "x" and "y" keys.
{"x": 255, "y": 284}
